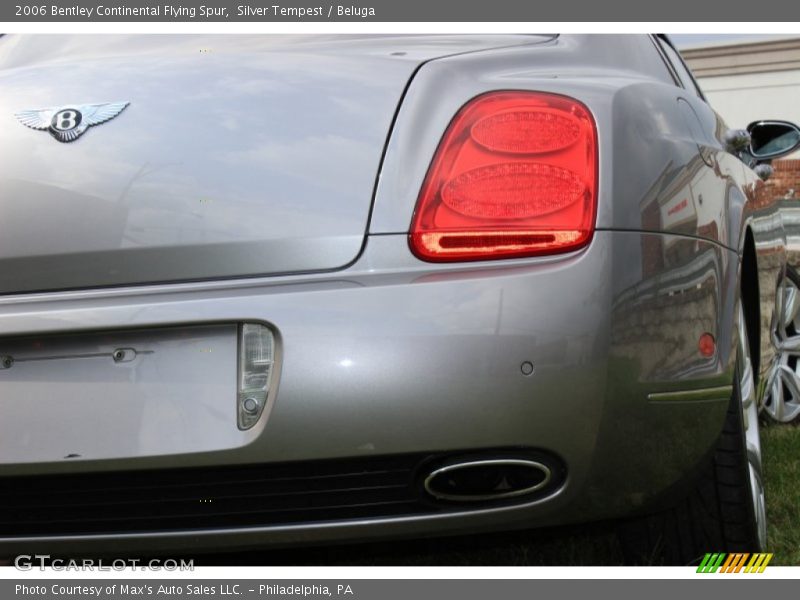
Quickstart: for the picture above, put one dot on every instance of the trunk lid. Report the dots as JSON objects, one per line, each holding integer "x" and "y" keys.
{"x": 237, "y": 156}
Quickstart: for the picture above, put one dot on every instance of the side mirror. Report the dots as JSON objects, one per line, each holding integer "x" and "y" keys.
{"x": 773, "y": 139}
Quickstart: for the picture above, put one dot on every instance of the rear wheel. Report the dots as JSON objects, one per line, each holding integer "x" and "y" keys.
{"x": 725, "y": 510}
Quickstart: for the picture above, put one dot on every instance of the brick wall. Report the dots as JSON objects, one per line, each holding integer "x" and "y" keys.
{"x": 785, "y": 179}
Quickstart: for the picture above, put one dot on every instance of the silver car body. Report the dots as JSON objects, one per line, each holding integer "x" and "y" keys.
{"x": 273, "y": 180}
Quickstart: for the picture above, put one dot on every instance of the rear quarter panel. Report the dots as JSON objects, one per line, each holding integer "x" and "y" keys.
{"x": 665, "y": 179}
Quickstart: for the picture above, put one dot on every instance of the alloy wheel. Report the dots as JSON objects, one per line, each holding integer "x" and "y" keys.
{"x": 782, "y": 402}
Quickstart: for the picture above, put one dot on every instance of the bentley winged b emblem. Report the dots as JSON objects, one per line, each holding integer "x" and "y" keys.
{"x": 68, "y": 123}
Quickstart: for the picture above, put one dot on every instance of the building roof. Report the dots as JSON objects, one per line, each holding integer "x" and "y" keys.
{"x": 761, "y": 56}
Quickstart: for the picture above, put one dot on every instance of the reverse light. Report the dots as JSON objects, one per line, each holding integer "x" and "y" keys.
{"x": 256, "y": 362}
{"x": 514, "y": 175}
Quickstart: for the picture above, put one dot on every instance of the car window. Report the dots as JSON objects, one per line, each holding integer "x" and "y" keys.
{"x": 680, "y": 68}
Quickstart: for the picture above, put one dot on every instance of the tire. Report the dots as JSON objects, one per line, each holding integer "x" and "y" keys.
{"x": 725, "y": 509}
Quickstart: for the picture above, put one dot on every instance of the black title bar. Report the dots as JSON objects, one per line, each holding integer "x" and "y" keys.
{"x": 397, "y": 11}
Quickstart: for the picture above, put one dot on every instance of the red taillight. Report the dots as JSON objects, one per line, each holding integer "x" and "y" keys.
{"x": 514, "y": 175}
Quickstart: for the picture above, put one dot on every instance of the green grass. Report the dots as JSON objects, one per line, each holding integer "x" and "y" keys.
{"x": 594, "y": 544}
{"x": 781, "y": 450}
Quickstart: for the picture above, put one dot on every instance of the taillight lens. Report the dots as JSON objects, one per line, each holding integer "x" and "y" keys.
{"x": 514, "y": 175}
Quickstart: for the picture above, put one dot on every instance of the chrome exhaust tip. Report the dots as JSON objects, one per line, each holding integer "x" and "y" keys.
{"x": 482, "y": 480}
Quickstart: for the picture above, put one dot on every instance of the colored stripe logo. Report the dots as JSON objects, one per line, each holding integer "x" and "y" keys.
{"x": 734, "y": 563}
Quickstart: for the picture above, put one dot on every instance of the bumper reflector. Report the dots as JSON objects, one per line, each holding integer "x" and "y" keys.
{"x": 256, "y": 361}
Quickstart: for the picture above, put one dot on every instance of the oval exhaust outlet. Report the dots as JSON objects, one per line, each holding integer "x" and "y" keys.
{"x": 490, "y": 479}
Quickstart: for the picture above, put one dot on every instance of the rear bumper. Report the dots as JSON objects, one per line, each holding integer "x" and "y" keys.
{"x": 393, "y": 356}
